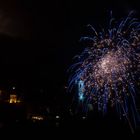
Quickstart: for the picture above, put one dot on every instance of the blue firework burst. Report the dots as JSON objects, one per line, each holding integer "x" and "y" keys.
{"x": 107, "y": 71}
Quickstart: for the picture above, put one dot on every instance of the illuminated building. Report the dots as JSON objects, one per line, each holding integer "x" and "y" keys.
{"x": 13, "y": 98}
{"x": 9, "y": 96}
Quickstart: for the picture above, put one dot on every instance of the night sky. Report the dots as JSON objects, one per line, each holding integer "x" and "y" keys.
{"x": 39, "y": 39}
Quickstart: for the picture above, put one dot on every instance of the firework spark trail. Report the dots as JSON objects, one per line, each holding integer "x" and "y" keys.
{"x": 109, "y": 69}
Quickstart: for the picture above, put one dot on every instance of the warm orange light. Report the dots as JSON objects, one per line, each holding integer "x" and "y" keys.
{"x": 37, "y": 118}
{"x": 13, "y": 99}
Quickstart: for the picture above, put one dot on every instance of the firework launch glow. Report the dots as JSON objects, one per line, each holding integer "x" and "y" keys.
{"x": 109, "y": 68}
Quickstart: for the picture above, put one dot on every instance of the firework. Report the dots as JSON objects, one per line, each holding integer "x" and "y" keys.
{"x": 107, "y": 71}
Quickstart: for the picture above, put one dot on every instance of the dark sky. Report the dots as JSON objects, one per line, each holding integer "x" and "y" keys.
{"x": 39, "y": 39}
{"x": 15, "y": 18}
